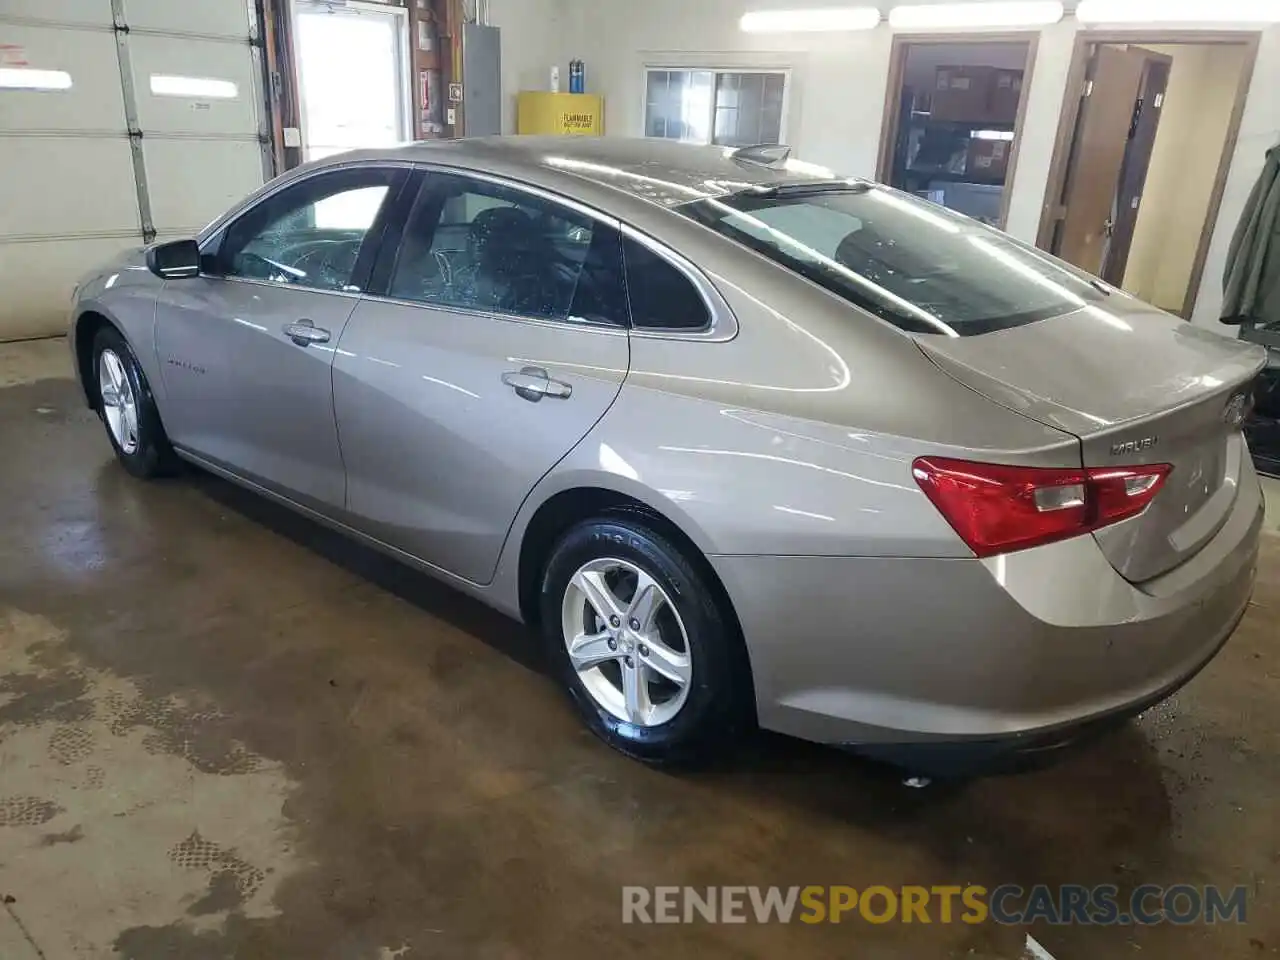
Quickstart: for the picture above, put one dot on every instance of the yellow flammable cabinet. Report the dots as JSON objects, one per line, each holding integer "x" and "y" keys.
{"x": 575, "y": 114}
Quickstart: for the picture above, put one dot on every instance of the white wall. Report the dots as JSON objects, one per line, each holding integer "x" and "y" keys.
{"x": 835, "y": 98}
{"x": 533, "y": 38}
{"x": 837, "y": 90}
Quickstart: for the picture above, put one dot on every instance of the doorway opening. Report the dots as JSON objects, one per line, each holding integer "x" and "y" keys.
{"x": 1142, "y": 156}
{"x": 953, "y": 119}
{"x": 353, "y": 71}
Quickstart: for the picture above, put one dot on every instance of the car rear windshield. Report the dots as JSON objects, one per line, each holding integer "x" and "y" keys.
{"x": 916, "y": 265}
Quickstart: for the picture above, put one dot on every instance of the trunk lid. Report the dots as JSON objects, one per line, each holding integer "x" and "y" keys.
{"x": 1136, "y": 386}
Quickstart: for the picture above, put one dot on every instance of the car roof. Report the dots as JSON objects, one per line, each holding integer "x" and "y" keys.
{"x": 664, "y": 172}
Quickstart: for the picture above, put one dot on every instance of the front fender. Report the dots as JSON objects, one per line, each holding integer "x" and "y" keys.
{"x": 126, "y": 298}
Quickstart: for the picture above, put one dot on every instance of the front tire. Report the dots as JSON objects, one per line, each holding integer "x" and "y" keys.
{"x": 128, "y": 409}
{"x": 640, "y": 640}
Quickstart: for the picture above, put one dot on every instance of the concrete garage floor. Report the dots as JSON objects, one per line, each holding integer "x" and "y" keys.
{"x": 225, "y": 732}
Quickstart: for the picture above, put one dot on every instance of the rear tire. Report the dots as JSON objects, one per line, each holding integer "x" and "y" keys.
{"x": 128, "y": 409}
{"x": 627, "y": 683}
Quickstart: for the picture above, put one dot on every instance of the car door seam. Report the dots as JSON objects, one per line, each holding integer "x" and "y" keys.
{"x": 506, "y": 540}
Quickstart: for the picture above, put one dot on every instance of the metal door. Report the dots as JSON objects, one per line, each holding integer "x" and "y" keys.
{"x": 1137, "y": 160}
{"x": 245, "y": 350}
{"x": 1097, "y": 155}
{"x": 454, "y": 400}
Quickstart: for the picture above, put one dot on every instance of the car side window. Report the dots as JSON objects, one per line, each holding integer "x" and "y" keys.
{"x": 310, "y": 234}
{"x": 484, "y": 246}
{"x": 661, "y": 296}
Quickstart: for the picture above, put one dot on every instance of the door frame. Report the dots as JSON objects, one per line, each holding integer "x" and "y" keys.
{"x": 404, "y": 55}
{"x": 897, "y": 69}
{"x": 1085, "y": 43}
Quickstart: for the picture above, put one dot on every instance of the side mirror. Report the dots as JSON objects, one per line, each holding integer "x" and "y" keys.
{"x": 175, "y": 260}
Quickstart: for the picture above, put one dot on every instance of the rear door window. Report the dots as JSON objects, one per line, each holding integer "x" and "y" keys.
{"x": 476, "y": 245}
{"x": 661, "y": 296}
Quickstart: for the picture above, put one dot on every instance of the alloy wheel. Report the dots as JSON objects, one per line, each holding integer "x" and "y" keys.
{"x": 119, "y": 405}
{"x": 627, "y": 642}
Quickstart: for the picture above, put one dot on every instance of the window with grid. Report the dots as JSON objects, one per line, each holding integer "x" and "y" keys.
{"x": 733, "y": 108}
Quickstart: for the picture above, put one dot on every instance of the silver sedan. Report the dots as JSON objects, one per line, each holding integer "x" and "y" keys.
{"x": 743, "y": 441}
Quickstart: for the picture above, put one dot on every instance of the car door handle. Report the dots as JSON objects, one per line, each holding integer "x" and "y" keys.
{"x": 533, "y": 383}
{"x": 304, "y": 333}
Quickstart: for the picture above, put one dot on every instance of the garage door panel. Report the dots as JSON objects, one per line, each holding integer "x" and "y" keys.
{"x": 74, "y": 188}
{"x": 229, "y": 18}
{"x": 196, "y": 66}
{"x": 88, "y": 12}
{"x": 67, "y": 186}
{"x": 38, "y": 278}
{"x": 193, "y": 181}
{"x": 94, "y": 100}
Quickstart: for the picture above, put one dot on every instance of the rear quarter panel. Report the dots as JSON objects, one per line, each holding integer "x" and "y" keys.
{"x": 792, "y": 439}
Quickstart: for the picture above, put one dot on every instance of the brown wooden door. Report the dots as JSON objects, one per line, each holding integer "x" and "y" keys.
{"x": 1097, "y": 155}
{"x": 1137, "y": 160}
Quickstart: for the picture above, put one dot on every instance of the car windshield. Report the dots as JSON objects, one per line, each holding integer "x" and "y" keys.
{"x": 914, "y": 264}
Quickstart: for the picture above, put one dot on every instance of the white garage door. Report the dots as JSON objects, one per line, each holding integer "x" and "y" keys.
{"x": 120, "y": 121}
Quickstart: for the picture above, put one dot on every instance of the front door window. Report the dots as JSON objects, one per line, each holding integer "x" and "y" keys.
{"x": 308, "y": 235}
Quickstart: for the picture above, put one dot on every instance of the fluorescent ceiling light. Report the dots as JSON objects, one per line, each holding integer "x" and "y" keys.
{"x": 1178, "y": 11}
{"x": 821, "y": 19}
{"x": 1022, "y": 13}
{"x": 169, "y": 86}
{"x": 23, "y": 78}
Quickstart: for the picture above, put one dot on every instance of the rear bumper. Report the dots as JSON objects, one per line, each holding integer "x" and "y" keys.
{"x": 1020, "y": 751}
{"x": 1012, "y": 653}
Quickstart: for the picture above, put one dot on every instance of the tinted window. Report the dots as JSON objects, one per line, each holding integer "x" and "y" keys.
{"x": 917, "y": 265}
{"x": 662, "y": 298}
{"x": 483, "y": 246}
{"x": 309, "y": 234}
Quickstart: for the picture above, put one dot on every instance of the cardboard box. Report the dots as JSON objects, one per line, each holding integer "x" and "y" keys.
{"x": 963, "y": 93}
{"x": 1006, "y": 94}
{"x": 977, "y": 94}
{"x": 988, "y": 160}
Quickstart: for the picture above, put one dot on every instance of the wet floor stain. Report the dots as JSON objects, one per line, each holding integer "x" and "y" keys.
{"x": 66, "y": 836}
{"x": 27, "y": 811}
{"x": 107, "y": 790}
{"x": 70, "y": 744}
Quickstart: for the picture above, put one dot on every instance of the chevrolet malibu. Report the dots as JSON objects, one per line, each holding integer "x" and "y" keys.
{"x": 743, "y": 441}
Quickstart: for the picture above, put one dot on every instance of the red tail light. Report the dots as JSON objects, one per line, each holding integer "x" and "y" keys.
{"x": 997, "y": 508}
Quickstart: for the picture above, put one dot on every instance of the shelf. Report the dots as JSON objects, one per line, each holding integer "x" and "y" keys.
{"x": 923, "y": 119}
{"x": 947, "y": 177}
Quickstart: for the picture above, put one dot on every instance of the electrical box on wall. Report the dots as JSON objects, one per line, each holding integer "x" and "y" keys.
{"x": 572, "y": 114}
{"x": 481, "y": 80}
